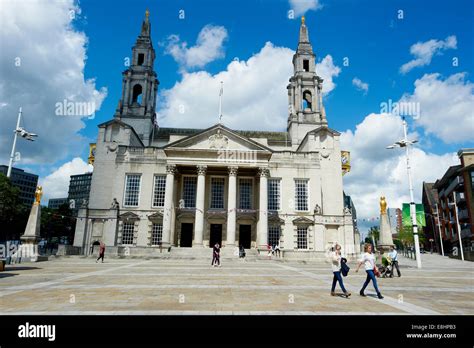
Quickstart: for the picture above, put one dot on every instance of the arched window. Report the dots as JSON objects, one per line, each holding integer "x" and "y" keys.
{"x": 307, "y": 100}
{"x": 137, "y": 94}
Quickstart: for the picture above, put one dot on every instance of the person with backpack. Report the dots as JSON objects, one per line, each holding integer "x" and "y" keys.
{"x": 336, "y": 257}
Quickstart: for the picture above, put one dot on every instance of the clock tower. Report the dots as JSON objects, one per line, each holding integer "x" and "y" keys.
{"x": 139, "y": 86}
{"x": 306, "y": 111}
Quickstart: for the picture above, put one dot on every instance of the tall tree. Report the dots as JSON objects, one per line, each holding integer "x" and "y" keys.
{"x": 13, "y": 214}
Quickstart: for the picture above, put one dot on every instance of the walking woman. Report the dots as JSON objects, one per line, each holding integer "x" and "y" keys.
{"x": 368, "y": 260}
{"x": 101, "y": 252}
{"x": 216, "y": 257}
{"x": 336, "y": 257}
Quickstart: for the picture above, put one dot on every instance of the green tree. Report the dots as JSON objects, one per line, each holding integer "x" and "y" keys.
{"x": 406, "y": 236}
{"x": 13, "y": 214}
{"x": 56, "y": 223}
{"x": 374, "y": 231}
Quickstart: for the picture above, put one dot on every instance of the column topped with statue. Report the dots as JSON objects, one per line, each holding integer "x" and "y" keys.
{"x": 385, "y": 237}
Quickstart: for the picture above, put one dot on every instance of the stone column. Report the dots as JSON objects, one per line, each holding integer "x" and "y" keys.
{"x": 262, "y": 227}
{"x": 199, "y": 218}
{"x": 232, "y": 206}
{"x": 168, "y": 209}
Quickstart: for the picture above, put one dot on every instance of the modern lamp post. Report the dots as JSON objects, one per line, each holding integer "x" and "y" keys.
{"x": 406, "y": 143}
{"x": 458, "y": 227}
{"x": 24, "y": 134}
{"x": 439, "y": 228}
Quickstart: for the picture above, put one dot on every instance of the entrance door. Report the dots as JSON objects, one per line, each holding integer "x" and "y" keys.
{"x": 245, "y": 232}
{"x": 216, "y": 235}
{"x": 186, "y": 240}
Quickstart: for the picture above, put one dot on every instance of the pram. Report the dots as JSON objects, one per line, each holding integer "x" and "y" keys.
{"x": 386, "y": 270}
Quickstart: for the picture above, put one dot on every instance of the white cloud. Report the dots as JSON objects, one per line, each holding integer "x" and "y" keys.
{"x": 255, "y": 97}
{"x": 42, "y": 62}
{"x": 360, "y": 85}
{"x": 327, "y": 70}
{"x": 447, "y": 106}
{"x": 56, "y": 184}
{"x": 300, "y": 7}
{"x": 424, "y": 51}
{"x": 377, "y": 171}
{"x": 209, "y": 47}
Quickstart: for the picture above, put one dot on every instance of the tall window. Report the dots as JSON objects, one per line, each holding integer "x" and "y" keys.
{"x": 302, "y": 238}
{"x": 132, "y": 190}
{"x": 127, "y": 233}
{"x": 301, "y": 195}
{"x": 189, "y": 191}
{"x": 156, "y": 234}
{"x": 274, "y": 235}
{"x": 245, "y": 193}
{"x": 273, "y": 194}
{"x": 305, "y": 65}
{"x": 159, "y": 191}
{"x": 217, "y": 193}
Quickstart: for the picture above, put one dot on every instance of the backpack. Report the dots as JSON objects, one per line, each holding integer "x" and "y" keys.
{"x": 344, "y": 267}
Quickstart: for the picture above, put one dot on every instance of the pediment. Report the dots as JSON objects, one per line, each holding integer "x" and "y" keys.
{"x": 217, "y": 138}
{"x": 303, "y": 221}
{"x": 155, "y": 216}
{"x": 129, "y": 216}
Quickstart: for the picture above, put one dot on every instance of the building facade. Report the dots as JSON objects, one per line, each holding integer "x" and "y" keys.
{"x": 79, "y": 190}
{"x": 191, "y": 188}
{"x": 26, "y": 182}
{"x": 55, "y": 203}
{"x": 455, "y": 205}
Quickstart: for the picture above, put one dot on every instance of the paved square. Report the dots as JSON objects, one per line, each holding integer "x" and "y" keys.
{"x": 76, "y": 285}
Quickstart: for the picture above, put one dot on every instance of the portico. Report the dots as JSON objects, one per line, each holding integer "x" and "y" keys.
{"x": 215, "y": 203}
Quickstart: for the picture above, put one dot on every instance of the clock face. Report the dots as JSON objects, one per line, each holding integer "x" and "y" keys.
{"x": 344, "y": 159}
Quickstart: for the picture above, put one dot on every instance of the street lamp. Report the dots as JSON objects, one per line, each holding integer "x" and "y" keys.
{"x": 457, "y": 224}
{"x": 24, "y": 134}
{"x": 439, "y": 228}
{"x": 406, "y": 143}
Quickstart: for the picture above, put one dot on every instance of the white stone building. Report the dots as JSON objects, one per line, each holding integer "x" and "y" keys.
{"x": 193, "y": 187}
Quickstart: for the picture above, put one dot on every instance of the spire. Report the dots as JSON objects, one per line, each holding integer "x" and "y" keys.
{"x": 146, "y": 25}
{"x": 303, "y": 32}
{"x": 304, "y": 46}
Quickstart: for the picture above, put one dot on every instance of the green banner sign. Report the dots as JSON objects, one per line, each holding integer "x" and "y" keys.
{"x": 420, "y": 215}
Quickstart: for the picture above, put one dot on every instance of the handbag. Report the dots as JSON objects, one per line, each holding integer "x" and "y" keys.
{"x": 344, "y": 267}
{"x": 376, "y": 272}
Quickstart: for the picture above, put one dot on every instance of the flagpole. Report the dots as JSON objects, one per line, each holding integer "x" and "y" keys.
{"x": 221, "y": 92}
{"x": 9, "y": 172}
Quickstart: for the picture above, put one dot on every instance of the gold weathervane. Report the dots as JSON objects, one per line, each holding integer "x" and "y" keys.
{"x": 147, "y": 13}
{"x": 302, "y": 20}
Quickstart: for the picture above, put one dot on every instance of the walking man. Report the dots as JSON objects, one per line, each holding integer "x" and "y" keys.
{"x": 101, "y": 252}
{"x": 394, "y": 256}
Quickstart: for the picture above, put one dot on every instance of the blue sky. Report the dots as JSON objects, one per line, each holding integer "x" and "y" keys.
{"x": 84, "y": 56}
{"x": 367, "y": 32}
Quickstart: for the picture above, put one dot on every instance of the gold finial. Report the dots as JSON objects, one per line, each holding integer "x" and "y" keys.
{"x": 147, "y": 13}
{"x": 302, "y": 20}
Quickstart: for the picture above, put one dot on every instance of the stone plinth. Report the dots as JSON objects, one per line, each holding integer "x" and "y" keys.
{"x": 28, "y": 250}
{"x": 385, "y": 238}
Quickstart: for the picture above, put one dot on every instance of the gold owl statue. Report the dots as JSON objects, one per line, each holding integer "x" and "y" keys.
{"x": 383, "y": 205}
{"x": 38, "y": 194}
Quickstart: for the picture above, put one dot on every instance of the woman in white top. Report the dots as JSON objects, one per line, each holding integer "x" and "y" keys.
{"x": 336, "y": 257}
{"x": 368, "y": 260}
